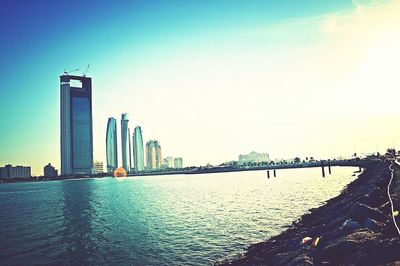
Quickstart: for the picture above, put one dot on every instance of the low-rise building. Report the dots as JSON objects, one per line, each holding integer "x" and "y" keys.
{"x": 50, "y": 171}
{"x": 98, "y": 167}
{"x": 178, "y": 162}
{"x": 168, "y": 162}
{"x": 253, "y": 157}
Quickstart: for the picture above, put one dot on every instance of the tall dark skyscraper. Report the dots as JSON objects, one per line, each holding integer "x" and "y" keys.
{"x": 125, "y": 143}
{"x": 76, "y": 125}
{"x": 111, "y": 145}
{"x": 138, "y": 149}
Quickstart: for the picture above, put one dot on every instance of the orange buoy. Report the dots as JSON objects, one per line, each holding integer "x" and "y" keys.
{"x": 119, "y": 172}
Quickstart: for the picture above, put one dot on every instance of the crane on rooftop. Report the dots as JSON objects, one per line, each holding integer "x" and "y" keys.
{"x": 87, "y": 69}
{"x": 66, "y": 72}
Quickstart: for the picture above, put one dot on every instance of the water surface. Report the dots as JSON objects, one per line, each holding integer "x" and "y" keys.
{"x": 155, "y": 220}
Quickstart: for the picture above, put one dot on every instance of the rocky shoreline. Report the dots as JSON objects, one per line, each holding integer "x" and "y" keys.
{"x": 355, "y": 228}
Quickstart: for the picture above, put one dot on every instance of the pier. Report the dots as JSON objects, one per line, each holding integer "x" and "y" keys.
{"x": 360, "y": 163}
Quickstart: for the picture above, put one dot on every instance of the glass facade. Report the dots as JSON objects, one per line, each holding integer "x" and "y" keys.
{"x": 81, "y": 134}
{"x": 138, "y": 149}
{"x": 76, "y": 125}
{"x": 111, "y": 145}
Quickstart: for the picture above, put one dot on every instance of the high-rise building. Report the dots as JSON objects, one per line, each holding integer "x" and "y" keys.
{"x": 49, "y": 171}
{"x": 158, "y": 156}
{"x": 125, "y": 143}
{"x": 131, "y": 165}
{"x": 138, "y": 154}
{"x": 9, "y": 171}
{"x": 178, "y": 162}
{"x": 150, "y": 155}
{"x": 76, "y": 124}
{"x": 111, "y": 145}
{"x": 98, "y": 167}
{"x": 153, "y": 155}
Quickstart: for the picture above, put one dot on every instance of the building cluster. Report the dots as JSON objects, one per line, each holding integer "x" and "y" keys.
{"x": 253, "y": 157}
{"x": 9, "y": 171}
{"x": 171, "y": 162}
{"x": 77, "y": 135}
{"x": 134, "y": 157}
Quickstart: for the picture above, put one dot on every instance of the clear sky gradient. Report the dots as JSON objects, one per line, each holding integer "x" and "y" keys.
{"x": 208, "y": 79}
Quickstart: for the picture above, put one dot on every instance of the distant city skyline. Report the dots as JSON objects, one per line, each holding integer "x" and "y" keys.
{"x": 315, "y": 78}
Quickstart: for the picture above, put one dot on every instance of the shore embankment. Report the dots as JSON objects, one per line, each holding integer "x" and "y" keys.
{"x": 355, "y": 227}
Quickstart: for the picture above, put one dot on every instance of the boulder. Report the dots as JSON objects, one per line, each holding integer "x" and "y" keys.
{"x": 373, "y": 198}
{"x": 371, "y": 224}
{"x": 301, "y": 260}
{"x": 350, "y": 225}
{"x": 360, "y": 212}
{"x": 385, "y": 207}
{"x": 338, "y": 249}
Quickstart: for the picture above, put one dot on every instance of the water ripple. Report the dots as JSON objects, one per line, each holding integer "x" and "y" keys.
{"x": 159, "y": 220}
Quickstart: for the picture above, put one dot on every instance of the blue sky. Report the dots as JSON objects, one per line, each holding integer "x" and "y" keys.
{"x": 155, "y": 60}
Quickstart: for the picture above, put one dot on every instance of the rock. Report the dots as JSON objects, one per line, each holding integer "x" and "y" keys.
{"x": 341, "y": 247}
{"x": 335, "y": 250}
{"x": 350, "y": 225}
{"x": 385, "y": 208}
{"x": 371, "y": 224}
{"x": 373, "y": 198}
{"x": 301, "y": 260}
{"x": 360, "y": 212}
{"x": 362, "y": 236}
{"x": 386, "y": 253}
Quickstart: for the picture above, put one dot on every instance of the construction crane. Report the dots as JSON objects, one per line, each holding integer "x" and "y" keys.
{"x": 84, "y": 73}
{"x": 66, "y": 72}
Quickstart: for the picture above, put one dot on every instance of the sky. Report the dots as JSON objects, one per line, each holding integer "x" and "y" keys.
{"x": 209, "y": 79}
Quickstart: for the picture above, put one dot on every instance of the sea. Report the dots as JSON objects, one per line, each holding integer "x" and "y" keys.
{"x": 155, "y": 220}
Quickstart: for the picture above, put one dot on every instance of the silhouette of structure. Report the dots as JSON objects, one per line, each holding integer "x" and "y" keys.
{"x": 76, "y": 124}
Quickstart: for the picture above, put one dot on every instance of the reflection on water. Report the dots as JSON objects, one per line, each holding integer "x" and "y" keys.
{"x": 76, "y": 230}
{"x": 157, "y": 220}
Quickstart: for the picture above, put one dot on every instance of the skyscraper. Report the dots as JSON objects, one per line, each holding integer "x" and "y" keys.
{"x": 125, "y": 143}
{"x": 153, "y": 155}
{"x": 131, "y": 165}
{"x": 111, "y": 145}
{"x": 138, "y": 149}
{"x": 76, "y": 124}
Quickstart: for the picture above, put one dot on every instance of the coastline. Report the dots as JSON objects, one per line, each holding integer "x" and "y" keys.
{"x": 355, "y": 227}
{"x": 204, "y": 170}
